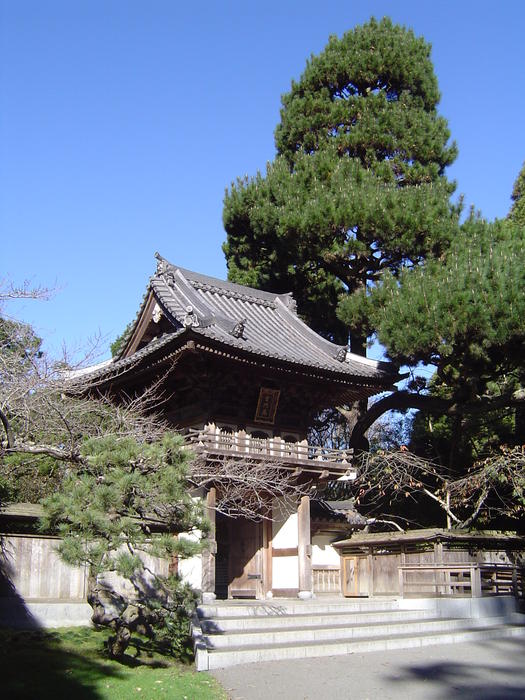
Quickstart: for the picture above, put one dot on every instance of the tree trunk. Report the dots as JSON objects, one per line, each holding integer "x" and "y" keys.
{"x": 358, "y": 409}
{"x": 118, "y": 644}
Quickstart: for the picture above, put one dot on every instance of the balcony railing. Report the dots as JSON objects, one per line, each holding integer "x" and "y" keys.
{"x": 299, "y": 454}
{"x": 326, "y": 579}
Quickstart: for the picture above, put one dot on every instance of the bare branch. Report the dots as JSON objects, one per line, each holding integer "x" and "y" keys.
{"x": 246, "y": 488}
{"x": 27, "y": 290}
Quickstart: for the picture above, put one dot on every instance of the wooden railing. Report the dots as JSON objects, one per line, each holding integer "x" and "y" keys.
{"x": 241, "y": 443}
{"x": 453, "y": 580}
{"x": 326, "y": 578}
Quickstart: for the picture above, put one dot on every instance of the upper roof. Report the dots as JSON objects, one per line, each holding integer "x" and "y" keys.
{"x": 239, "y": 318}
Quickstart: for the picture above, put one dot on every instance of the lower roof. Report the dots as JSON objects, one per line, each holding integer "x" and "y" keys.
{"x": 429, "y": 535}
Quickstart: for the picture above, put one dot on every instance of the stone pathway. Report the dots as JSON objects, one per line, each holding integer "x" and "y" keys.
{"x": 490, "y": 670}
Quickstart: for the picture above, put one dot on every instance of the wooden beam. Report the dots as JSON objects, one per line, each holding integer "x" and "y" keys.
{"x": 285, "y": 551}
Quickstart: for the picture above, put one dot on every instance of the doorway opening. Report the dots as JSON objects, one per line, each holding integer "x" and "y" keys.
{"x": 239, "y": 558}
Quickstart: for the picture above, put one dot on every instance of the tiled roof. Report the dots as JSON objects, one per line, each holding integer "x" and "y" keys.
{"x": 253, "y": 320}
{"x": 249, "y": 320}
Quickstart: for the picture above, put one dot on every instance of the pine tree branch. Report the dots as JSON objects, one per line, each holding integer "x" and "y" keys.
{"x": 48, "y": 450}
{"x": 403, "y": 400}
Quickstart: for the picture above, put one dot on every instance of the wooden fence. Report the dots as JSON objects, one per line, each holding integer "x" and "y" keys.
{"x": 461, "y": 580}
{"x": 30, "y": 567}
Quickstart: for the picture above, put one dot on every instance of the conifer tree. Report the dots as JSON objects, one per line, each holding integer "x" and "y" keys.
{"x": 128, "y": 500}
{"x": 463, "y": 314}
{"x": 358, "y": 185}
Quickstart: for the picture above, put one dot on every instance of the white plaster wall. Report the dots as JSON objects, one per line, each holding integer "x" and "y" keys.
{"x": 285, "y": 535}
{"x": 323, "y": 552}
{"x": 190, "y": 570}
{"x": 284, "y": 526}
{"x": 285, "y": 572}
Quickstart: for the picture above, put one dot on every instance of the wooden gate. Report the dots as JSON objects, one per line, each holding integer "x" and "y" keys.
{"x": 355, "y": 576}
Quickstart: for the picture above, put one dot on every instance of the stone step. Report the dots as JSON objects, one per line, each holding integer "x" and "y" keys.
{"x": 306, "y": 620}
{"x": 293, "y": 607}
{"x": 206, "y": 660}
{"x": 301, "y": 635}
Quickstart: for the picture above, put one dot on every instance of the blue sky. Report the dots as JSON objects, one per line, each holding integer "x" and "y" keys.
{"x": 122, "y": 123}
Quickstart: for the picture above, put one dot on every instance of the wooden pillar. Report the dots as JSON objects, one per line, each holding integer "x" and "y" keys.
{"x": 267, "y": 558}
{"x": 208, "y": 555}
{"x": 304, "y": 549}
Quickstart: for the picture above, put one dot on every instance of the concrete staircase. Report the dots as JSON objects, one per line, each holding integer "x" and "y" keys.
{"x": 229, "y": 633}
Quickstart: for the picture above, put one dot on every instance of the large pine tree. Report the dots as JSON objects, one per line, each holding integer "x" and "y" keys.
{"x": 357, "y": 186}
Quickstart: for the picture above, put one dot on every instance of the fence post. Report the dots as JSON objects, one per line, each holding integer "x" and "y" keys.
{"x": 515, "y": 581}
{"x": 475, "y": 581}
{"x": 401, "y": 582}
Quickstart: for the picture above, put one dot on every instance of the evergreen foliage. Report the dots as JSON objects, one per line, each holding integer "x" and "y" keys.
{"x": 465, "y": 314}
{"x": 517, "y": 212}
{"x": 357, "y": 186}
{"x": 108, "y": 515}
{"x": 486, "y": 318}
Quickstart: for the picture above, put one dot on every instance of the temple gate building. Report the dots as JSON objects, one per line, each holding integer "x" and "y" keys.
{"x": 246, "y": 377}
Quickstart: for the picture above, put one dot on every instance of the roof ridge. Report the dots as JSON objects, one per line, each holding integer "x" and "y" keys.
{"x": 217, "y": 284}
{"x": 231, "y": 293}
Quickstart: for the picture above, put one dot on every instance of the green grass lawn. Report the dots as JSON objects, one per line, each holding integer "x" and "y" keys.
{"x": 71, "y": 664}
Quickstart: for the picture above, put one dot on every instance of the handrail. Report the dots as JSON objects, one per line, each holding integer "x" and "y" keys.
{"x": 274, "y": 447}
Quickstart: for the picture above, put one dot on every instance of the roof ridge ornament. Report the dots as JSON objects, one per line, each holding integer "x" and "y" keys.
{"x": 342, "y": 353}
{"x": 190, "y": 319}
{"x": 165, "y": 269}
{"x": 289, "y": 301}
{"x": 238, "y": 330}
{"x": 157, "y": 313}
{"x": 162, "y": 263}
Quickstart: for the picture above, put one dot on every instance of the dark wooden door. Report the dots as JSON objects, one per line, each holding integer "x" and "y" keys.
{"x": 245, "y": 559}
